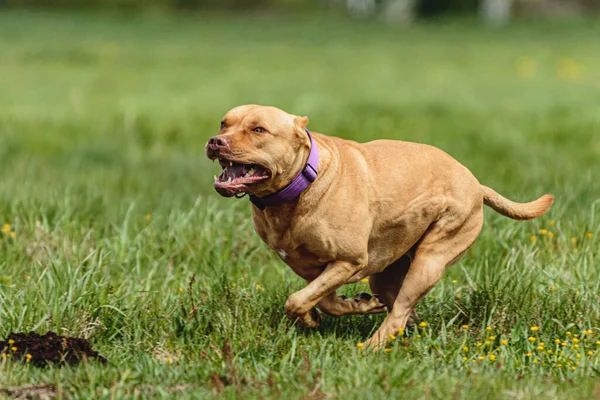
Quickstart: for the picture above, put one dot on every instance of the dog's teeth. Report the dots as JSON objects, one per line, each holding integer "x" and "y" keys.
{"x": 229, "y": 180}
{"x": 230, "y": 164}
{"x": 216, "y": 179}
{"x": 251, "y": 172}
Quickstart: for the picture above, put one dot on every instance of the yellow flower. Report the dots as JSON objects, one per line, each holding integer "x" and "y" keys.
{"x": 557, "y": 341}
{"x": 10, "y": 341}
{"x": 569, "y": 70}
{"x": 492, "y": 357}
{"x": 488, "y": 328}
{"x": 578, "y": 355}
{"x": 181, "y": 289}
{"x": 576, "y": 346}
{"x": 597, "y": 341}
{"x": 589, "y": 353}
{"x": 13, "y": 348}
{"x": 553, "y": 287}
{"x": 573, "y": 368}
{"x": 387, "y": 349}
{"x": 458, "y": 295}
{"x": 552, "y": 222}
{"x": 466, "y": 349}
{"x": 559, "y": 365}
{"x": 590, "y": 235}
{"x": 568, "y": 333}
{"x": 573, "y": 240}
{"x": 28, "y": 356}
{"x": 549, "y": 352}
{"x": 576, "y": 292}
{"x": 504, "y": 342}
{"x": 575, "y": 340}
{"x": 258, "y": 287}
{"x": 535, "y": 328}
{"x": 492, "y": 337}
{"x": 533, "y": 238}
{"x": 540, "y": 348}
{"x": 535, "y": 361}
{"x": 550, "y": 234}
{"x": 148, "y": 217}
{"x": 423, "y": 324}
{"x": 478, "y": 345}
{"x": 528, "y": 354}
{"x": 3, "y": 355}
{"x": 392, "y": 337}
{"x": 487, "y": 342}
{"x": 5, "y": 228}
{"x": 465, "y": 326}
{"x": 589, "y": 332}
{"x": 454, "y": 281}
{"x": 464, "y": 358}
{"x": 481, "y": 358}
{"x": 234, "y": 285}
{"x": 360, "y": 345}
{"x": 531, "y": 339}
{"x": 366, "y": 280}
{"x": 544, "y": 232}
{"x": 563, "y": 344}
{"x": 401, "y": 331}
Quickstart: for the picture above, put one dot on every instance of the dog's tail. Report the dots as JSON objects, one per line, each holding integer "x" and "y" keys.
{"x": 515, "y": 210}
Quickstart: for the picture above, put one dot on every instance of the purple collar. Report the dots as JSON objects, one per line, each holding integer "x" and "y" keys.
{"x": 297, "y": 185}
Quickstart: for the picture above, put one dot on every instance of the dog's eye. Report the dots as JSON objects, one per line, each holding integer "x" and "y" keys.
{"x": 259, "y": 129}
{"x": 222, "y": 124}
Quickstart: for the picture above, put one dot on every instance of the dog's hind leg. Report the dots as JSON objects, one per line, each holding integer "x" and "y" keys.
{"x": 441, "y": 246}
{"x": 386, "y": 284}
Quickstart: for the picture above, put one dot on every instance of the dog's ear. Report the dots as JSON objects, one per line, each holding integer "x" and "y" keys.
{"x": 301, "y": 122}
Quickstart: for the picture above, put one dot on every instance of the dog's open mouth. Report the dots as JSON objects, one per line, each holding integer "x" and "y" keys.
{"x": 235, "y": 177}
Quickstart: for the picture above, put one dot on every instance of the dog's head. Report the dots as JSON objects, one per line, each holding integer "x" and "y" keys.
{"x": 260, "y": 149}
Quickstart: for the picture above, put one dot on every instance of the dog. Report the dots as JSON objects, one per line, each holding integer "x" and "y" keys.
{"x": 337, "y": 211}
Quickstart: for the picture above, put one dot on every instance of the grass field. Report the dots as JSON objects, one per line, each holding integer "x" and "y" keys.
{"x": 108, "y": 210}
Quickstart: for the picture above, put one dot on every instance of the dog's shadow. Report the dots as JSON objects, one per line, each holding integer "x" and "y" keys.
{"x": 346, "y": 327}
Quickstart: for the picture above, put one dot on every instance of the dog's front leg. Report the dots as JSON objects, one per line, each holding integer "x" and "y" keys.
{"x": 300, "y": 305}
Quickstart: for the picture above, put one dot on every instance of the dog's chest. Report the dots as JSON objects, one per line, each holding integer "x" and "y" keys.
{"x": 292, "y": 250}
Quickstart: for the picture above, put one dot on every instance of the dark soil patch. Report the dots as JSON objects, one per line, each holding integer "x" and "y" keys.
{"x": 41, "y": 350}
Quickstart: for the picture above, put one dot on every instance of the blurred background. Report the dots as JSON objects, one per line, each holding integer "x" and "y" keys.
{"x": 108, "y": 103}
{"x": 390, "y": 10}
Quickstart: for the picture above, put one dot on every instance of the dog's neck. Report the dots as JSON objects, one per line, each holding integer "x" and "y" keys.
{"x": 298, "y": 184}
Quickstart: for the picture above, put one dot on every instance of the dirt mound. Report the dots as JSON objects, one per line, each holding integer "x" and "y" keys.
{"x": 41, "y": 350}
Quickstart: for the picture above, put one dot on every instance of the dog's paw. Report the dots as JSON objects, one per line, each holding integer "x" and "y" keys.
{"x": 369, "y": 304}
{"x": 311, "y": 319}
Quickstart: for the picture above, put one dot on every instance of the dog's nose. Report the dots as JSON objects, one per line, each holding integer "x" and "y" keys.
{"x": 215, "y": 146}
{"x": 217, "y": 142}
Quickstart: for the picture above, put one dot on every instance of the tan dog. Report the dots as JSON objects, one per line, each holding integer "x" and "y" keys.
{"x": 398, "y": 213}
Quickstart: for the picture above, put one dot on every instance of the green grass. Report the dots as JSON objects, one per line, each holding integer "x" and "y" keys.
{"x": 103, "y": 121}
